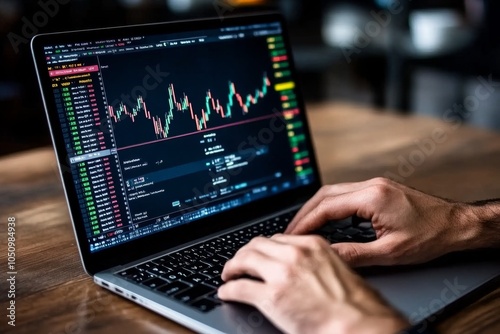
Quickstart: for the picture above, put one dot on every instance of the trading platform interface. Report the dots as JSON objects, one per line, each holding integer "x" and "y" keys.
{"x": 163, "y": 130}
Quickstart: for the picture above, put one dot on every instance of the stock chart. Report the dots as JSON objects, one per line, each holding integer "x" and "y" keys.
{"x": 200, "y": 92}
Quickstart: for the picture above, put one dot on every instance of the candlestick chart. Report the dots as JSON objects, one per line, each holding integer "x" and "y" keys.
{"x": 177, "y": 107}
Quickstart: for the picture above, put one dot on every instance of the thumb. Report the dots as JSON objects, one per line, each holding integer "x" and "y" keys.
{"x": 363, "y": 254}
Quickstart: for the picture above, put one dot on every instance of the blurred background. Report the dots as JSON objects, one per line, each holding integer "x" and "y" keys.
{"x": 433, "y": 57}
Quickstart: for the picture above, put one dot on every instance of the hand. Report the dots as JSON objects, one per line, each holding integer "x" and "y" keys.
{"x": 302, "y": 286}
{"x": 411, "y": 227}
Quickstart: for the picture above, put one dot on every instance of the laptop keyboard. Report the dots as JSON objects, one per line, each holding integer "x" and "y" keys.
{"x": 192, "y": 275}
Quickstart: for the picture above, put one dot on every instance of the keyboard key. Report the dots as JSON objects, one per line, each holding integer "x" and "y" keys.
{"x": 240, "y": 242}
{"x": 197, "y": 266}
{"x": 368, "y": 236}
{"x": 351, "y": 231}
{"x": 215, "y": 282}
{"x": 145, "y": 266}
{"x": 159, "y": 270}
{"x": 173, "y": 288}
{"x": 171, "y": 276}
{"x": 142, "y": 277}
{"x": 136, "y": 275}
{"x": 205, "y": 305}
{"x": 154, "y": 283}
{"x": 215, "y": 260}
{"x": 365, "y": 225}
{"x": 227, "y": 253}
{"x": 214, "y": 296}
{"x": 200, "y": 255}
{"x": 193, "y": 293}
{"x": 181, "y": 272}
{"x": 129, "y": 272}
{"x": 201, "y": 247}
{"x": 215, "y": 250}
{"x": 337, "y": 237}
{"x": 180, "y": 258}
{"x": 169, "y": 263}
{"x": 162, "y": 259}
{"x": 212, "y": 271}
{"x": 340, "y": 224}
{"x": 196, "y": 279}
{"x": 191, "y": 254}
{"x": 231, "y": 242}
{"x": 178, "y": 273}
{"x": 213, "y": 243}
{"x": 153, "y": 268}
{"x": 248, "y": 235}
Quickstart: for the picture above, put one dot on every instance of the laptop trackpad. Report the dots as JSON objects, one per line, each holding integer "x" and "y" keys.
{"x": 430, "y": 289}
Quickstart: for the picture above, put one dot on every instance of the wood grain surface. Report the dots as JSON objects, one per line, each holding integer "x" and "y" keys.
{"x": 353, "y": 143}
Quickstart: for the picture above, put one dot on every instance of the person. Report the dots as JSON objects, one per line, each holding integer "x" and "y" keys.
{"x": 304, "y": 285}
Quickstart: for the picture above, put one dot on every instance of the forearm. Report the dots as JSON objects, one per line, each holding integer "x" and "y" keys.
{"x": 480, "y": 224}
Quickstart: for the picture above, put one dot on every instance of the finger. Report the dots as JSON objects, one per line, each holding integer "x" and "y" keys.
{"x": 325, "y": 192}
{"x": 244, "y": 291}
{"x": 259, "y": 259}
{"x": 251, "y": 262}
{"x": 298, "y": 240}
{"x": 335, "y": 207}
{"x": 364, "y": 254}
{"x": 307, "y": 241}
{"x": 326, "y": 263}
{"x": 262, "y": 259}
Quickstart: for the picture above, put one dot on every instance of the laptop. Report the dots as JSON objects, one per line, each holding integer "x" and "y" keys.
{"x": 179, "y": 142}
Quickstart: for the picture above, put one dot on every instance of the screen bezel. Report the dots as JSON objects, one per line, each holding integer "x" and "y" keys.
{"x": 136, "y": 249}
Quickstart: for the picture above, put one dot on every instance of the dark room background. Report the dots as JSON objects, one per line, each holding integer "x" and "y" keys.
{"x": 408, "y": 56}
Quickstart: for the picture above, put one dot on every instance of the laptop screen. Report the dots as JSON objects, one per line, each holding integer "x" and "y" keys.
{"x": 164, "y": 130}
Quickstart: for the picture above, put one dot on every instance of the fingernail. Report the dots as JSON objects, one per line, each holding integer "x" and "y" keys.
{"x": 220, "y": 291}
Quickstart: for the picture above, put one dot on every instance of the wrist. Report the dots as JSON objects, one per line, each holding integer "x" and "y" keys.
{"x": 479, "y": 225}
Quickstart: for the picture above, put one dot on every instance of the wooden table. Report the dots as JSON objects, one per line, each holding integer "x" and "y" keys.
{"x": 54, "y": 295}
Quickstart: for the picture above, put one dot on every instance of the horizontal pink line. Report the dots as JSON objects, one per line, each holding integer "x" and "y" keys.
{"x": 76, "y": 70}
{"x": 196, "y": 132}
